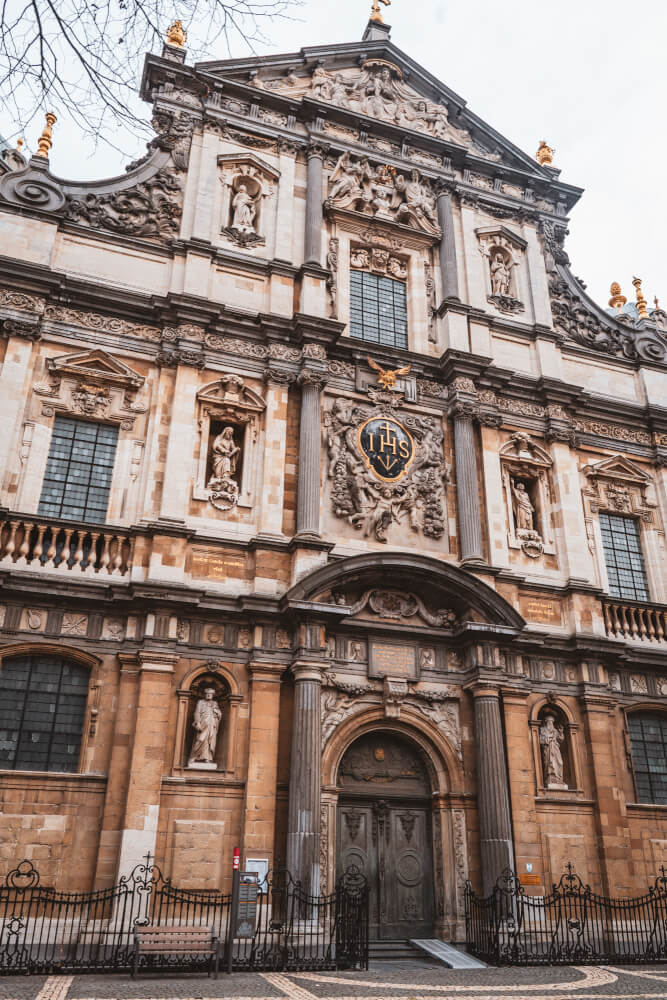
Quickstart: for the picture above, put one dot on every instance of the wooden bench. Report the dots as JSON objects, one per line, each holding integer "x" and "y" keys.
{"x": 178, "y": 940}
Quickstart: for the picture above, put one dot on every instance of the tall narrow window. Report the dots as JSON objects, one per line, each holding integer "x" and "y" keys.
{"x": 378, "y": 310}
{"x": 623, "y": 556}
{"x": 648, "y": 739}
{"x": 42, "y": 708}
{"x": 79, "y": 469}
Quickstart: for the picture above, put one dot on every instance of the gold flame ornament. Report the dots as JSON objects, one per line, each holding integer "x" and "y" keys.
{"x": 387, "y": 377}
{"x": 376, "y": 13}
{"x": 642, "y": 311}
{"x": 617, "y": 301}
{"x": 177, "y": 35}
{"x": 45, "y": 140}
{"x": 545, "y": 154}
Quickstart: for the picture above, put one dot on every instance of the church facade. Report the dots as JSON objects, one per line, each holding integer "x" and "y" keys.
{"x": 333, "y": 509}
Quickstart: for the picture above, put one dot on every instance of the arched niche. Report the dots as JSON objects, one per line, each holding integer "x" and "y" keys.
{"x": 546, "y": 735}
{"x": 214, "y": 676}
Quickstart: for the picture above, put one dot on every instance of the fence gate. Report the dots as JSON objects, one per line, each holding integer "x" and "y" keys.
{"x": 44, "y": 931}
{"x": 571, "y": 925}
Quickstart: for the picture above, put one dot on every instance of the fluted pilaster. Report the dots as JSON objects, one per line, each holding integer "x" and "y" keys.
{"x": 493, "y": 802}
{"x": 450, "y": 279}
{"x": 308, "y": 493}
{"x": 303, "y": 829}
{"x": 314, "y": 216}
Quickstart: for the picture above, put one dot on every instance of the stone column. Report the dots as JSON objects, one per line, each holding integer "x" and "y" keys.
{"x": 467, "y": 480}
{"x": 180, "y": 446}
{"x": 278, "y": 381}
{"x": 15, "y": 388}
{"x": 303, "y": 824}
{"x": 149, "y": 759}
{"x": 493, "y": 801}
{"x": 310, "y": 454}
{"x": 314, "y": 215}
{"x": 450, "y": 278}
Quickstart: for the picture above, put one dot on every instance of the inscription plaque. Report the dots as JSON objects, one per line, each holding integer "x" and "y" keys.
{"x": 541, "y": 610}
{"x": 211, "y": 564}
{"x": 392, "y": 659}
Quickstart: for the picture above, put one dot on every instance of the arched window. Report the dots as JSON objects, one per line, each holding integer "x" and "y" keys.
{"x": 42, "y": 709}
{"x": 648, "y": 740}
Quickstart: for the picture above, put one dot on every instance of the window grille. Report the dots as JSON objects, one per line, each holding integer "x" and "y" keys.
{"x": 42, "y": 708}
{"x": 378, "y": 310}
{"x": 623, "y": 556}
{"x": 79, "y": 470}
{"x": 648, "y": 739}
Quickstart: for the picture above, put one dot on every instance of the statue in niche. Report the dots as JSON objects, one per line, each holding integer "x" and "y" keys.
{"x": 552, "y": 736}
{"x": 501, "y": 275}
{"x": 244, "y": 210}
{"x": 524, "y": 510}
{"x": 206, "y": 723}
{"x": 223, "y": 484}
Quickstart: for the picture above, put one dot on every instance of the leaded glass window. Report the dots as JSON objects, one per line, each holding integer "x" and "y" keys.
{"x": 623, "y": 556}
{"x": 378, "y": 309}
{"x": 42, "y": 709}
{"x": 648, "y": 739}
{"x": 79, "y": 470}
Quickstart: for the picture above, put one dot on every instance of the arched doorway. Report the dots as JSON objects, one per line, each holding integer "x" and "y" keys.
{"x": 384, "y": 827}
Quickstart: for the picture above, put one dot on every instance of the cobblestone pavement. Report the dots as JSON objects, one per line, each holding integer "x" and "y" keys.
{"x": 384, "y": 981}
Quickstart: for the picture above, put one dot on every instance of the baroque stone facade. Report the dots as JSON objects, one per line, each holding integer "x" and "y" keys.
{"x": 341, "y": 583}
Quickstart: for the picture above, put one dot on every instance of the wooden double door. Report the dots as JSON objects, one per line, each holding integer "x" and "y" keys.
{"x": 390, "y": 841}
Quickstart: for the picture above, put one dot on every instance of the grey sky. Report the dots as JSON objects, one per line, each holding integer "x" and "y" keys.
{"x": 589, "y": 76}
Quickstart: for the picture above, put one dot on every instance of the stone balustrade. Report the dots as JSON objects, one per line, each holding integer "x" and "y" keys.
{"x": 45, "y": 544}
{"x": 635, "y": 620}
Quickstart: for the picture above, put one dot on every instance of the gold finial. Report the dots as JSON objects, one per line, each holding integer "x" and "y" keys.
{"x": 617, "y": 301}
{"x": 177, "y": 35}
{"x": 376, "y": 14}
{"x": 642, "y": 311}
{"x": 545, "y": 154}
{"x": 45, "y": 140}
{"x": 656, "y": 303}
{"x": 19, "y": 143}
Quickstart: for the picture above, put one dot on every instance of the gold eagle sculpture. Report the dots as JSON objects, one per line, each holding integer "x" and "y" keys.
{"x": 387, "y": 376}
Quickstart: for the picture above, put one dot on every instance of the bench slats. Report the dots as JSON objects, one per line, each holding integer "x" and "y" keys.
{"x": 178, "y": 940}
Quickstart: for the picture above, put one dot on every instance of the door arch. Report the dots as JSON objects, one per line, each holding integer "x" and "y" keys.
{"x": 384, "y": 827}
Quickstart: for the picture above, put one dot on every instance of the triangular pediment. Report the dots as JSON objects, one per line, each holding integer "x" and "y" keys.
{"x": 617, "y": 467}
{"x": 96, "y": 365}
{"x": 376, "y": 81}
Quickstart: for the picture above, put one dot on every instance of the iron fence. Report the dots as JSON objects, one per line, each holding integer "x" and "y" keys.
{"x": 572, "y": 924}
{"x": 277, "y": 927}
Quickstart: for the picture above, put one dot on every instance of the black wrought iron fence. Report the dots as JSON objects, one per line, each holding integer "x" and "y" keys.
{"x": 280, "y": 927}
{"x": 572, "y": 924}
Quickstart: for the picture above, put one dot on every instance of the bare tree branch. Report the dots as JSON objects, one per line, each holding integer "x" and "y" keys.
{"x": 82, "y": 58}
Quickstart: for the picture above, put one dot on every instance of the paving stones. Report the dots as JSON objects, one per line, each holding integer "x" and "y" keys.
{"x": 410, "y": 980}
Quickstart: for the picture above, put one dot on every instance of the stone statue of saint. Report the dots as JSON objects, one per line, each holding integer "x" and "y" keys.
{"x": 225, "y": 457}
{"x": 500, "y": 275}
{"x": 244, "y": 211}
{"x": 205, "y": 724}
{"x": 523, "y": 508}
{"x": 551, "y": 737}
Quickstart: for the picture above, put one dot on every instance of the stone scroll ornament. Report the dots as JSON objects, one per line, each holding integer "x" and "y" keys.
{"x": 386, "y": 471}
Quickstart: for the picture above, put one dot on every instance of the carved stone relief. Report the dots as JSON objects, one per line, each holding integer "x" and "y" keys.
{"x": 371, "y": 502}
{"x": 383, "y": 193}
{"x": 377, "y": 90}
{"x": 395, "y": 605}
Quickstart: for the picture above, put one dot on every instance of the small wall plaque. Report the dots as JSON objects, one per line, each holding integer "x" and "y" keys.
{"x": 393, "y": 659}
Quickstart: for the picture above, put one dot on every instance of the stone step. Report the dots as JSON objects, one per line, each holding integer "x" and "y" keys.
{"x": 447, "y": 954}
{"x": 392, "y": 951}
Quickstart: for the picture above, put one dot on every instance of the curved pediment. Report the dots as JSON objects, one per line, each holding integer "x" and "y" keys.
{"x": 393, "y": 586}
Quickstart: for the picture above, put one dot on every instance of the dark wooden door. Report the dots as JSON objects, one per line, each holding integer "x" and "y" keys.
{"x": 391, "y": 843}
